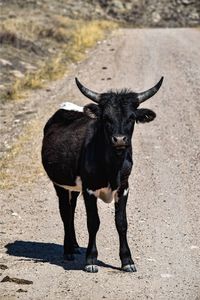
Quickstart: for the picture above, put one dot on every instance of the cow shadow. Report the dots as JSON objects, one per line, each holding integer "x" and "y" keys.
{"x": 49, "y": 253}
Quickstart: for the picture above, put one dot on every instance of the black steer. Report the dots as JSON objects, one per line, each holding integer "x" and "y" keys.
{"x": 90, "y": 151}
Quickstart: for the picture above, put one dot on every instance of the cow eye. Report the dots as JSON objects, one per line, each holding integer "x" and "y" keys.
{"x": 130, "y": 119}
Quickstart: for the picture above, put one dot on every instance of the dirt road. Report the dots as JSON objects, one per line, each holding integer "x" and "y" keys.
{"x": 164, "y": 201}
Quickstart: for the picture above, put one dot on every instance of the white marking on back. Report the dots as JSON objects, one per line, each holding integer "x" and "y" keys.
{"x": 71, "y": 106}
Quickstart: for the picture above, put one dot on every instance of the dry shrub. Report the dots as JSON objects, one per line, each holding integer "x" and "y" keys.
{"x": 60, "y": 34}
{"x": 85, "y": 35}
{"x": 51, "y": 70}
{"x": 22, "y": 27}
{"x": 79, "y": 36}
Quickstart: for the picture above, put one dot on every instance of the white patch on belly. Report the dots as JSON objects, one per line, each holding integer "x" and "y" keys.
{"x": 105, "y": 194}
{"x": 71, "y": 106}
{"x": 73, "y": 188}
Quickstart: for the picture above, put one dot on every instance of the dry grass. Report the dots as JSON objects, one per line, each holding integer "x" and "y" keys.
{"x": 52, "y": 70}
{"x": 85, "y": 36}
{"x": 80, "y": 35}
{"x": 24, "y": 156}
{"x": 21, "y": 27}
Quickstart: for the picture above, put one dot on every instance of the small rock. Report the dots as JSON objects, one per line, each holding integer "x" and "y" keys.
{"x": 151, "y": 259}
{"x": 2, "y": 87}
{"x": 3, "y": 267}
{"x": 12, "y": 15}
{"x": 14, "y": 214}
{"x": 5, "y": 62}
{"x": 28, "y": 66}
{"x": 194, "y": 247}
{"x": 17, "y": 73}
{"x": 166, "y": 275}
{"x": 186, "y": 2}
{"x": 117, "y": 4}
{"x": 156, "y": 17}
{"x": 194, "y": 16}
{"x": 128, "y": 6}
{"x": 16, "y": 280}
{"x": 21, "y": 291}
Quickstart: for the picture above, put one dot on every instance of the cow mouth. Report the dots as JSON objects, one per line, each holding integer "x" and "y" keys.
{"x": 120, "y": 149}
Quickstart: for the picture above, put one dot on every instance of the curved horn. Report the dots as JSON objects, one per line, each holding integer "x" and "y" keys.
{"x": 88, "y": 93}
{"x": 141, "y": 97}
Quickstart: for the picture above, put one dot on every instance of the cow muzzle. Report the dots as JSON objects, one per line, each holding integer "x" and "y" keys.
{"x": 119, "y": 141}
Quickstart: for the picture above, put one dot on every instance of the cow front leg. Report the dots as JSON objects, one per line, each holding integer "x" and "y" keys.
{"x": 93, "y": 223}
{"x": 121, "y": 225}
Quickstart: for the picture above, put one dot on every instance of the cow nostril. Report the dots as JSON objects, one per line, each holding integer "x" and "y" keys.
{"x": 114, "y": 139}
{"x": 125, "y": 139}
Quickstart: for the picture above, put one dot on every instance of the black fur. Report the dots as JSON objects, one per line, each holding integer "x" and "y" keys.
{"x": 81, "y": 144}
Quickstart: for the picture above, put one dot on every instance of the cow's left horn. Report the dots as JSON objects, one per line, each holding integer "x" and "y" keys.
{"x": 88, "y": 93}
{"x": 141, "y": 97}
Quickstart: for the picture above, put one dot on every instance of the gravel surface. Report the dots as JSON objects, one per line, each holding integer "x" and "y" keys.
{"x": 163, "y": 206}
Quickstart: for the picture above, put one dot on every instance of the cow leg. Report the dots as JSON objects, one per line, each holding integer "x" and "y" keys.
{"x": 66, "y": 213}
{"x": 93, "y": 223}
{"x": 121, "y": 225}
{"x": 74, "y": 196}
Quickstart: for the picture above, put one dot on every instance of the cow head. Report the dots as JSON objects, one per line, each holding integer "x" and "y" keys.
{"x": 118, "y": 112}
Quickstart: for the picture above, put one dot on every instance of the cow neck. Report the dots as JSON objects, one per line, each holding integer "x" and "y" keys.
{"x": 112, "y": 162}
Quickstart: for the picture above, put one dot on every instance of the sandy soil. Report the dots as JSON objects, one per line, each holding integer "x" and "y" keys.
{"x": 163, "y": 206}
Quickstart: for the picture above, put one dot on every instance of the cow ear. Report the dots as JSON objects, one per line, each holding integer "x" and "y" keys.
{"x": 92, "y": 110}
{"x": 143, "y": 115}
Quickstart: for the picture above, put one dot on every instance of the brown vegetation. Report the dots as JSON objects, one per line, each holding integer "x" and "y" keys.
{"x": 39, "y": 48}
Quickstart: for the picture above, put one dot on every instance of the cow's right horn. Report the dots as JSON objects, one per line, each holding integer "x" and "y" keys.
{"x": 88, "y": 93}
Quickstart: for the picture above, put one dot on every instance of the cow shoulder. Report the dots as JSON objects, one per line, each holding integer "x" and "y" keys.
{"x": 65, "y": 117}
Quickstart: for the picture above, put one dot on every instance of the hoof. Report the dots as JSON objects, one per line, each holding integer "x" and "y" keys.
{"x": 129, "y": 268}
{"x": 91, "y": 268}
{"x": 68, "y": 257}
{"x": 77, "y": 250}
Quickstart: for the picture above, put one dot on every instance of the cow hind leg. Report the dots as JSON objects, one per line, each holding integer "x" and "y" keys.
{"x": 74, "y": 196}
{"x": 67, "y": 205}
